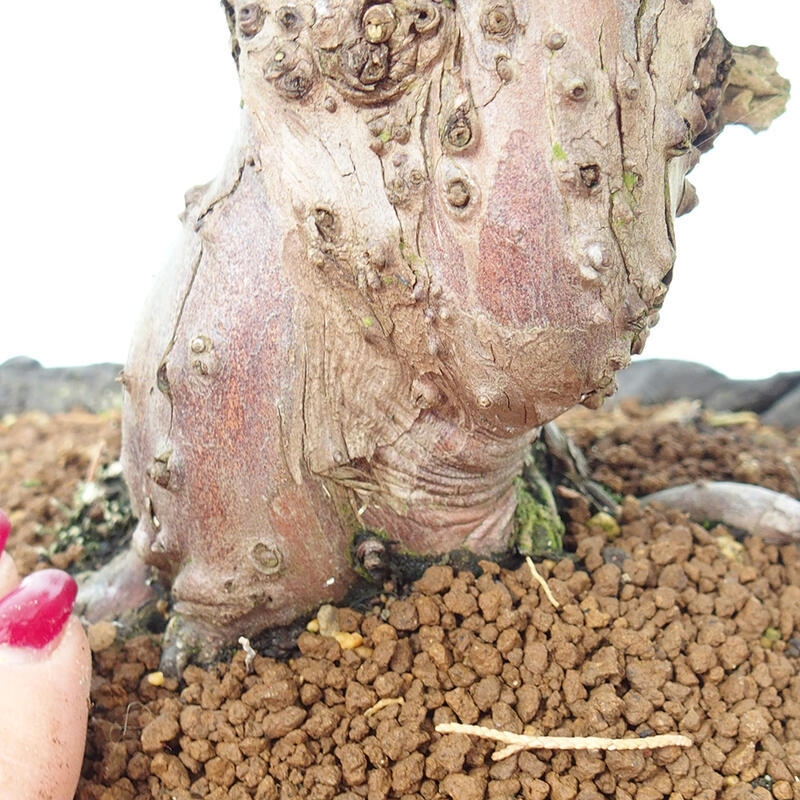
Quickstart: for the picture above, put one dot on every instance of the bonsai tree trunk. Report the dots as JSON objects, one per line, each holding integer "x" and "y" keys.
{"x": 443, "y": 224}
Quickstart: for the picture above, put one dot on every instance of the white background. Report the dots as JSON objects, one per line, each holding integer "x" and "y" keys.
{"x": 110, "y": 111}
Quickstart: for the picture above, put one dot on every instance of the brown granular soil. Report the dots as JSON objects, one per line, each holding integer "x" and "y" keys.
{"x": 43, "y": 459}
{"x": 663, "y": 626}
{"x": 638, "y": 450}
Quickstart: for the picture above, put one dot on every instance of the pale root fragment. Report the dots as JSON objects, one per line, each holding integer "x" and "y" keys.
{"x": 521, "y": 741}
{"x": 382, "y": 703}
{"x": 543, "y": 583}
{"x": 250, "y": 653}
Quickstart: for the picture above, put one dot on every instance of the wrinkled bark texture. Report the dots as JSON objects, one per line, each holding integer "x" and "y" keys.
{"x": 444, "y": 223}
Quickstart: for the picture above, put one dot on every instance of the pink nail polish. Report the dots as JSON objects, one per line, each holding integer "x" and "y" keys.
{"x": 34, "y": 613}
{"x": 5, "y": 529}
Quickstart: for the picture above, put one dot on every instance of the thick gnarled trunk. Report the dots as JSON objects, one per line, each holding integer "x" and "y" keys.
{"x": 444, "y": 224}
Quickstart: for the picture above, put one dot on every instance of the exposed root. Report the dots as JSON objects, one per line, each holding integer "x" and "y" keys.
{"x": 543, "y": 583}
{"x": 382, "y": 703}
{"x": 522, "y": 741}
{"x": 773, "y": 516}
{"x": 250, "y": 654}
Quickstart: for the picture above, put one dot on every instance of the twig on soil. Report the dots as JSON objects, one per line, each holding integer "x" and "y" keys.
{"x": 522, "y": 741}
{"x": 543, "y": 583}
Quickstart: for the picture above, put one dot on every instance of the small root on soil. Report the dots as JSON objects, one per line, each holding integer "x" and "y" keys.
{"x": 523, "y": 741}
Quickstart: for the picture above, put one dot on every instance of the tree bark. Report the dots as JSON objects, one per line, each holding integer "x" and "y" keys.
{"x": 443, "y": 224}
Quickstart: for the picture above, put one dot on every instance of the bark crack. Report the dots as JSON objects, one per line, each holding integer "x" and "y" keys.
{"x": 222, "y": 197}
{"x": 423, "y": 123}
{"x": 173, "y": 337}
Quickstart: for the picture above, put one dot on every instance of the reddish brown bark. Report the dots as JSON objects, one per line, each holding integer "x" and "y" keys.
{"x": 444, "y": 224}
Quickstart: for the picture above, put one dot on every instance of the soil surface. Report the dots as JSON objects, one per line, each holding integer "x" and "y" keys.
{"x": 663, "y": 625}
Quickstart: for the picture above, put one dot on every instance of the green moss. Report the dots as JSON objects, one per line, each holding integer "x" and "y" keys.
{"x": 538, "y": 529}
{"x": 559, "y": 153}
{"x": 631, "y": 180}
